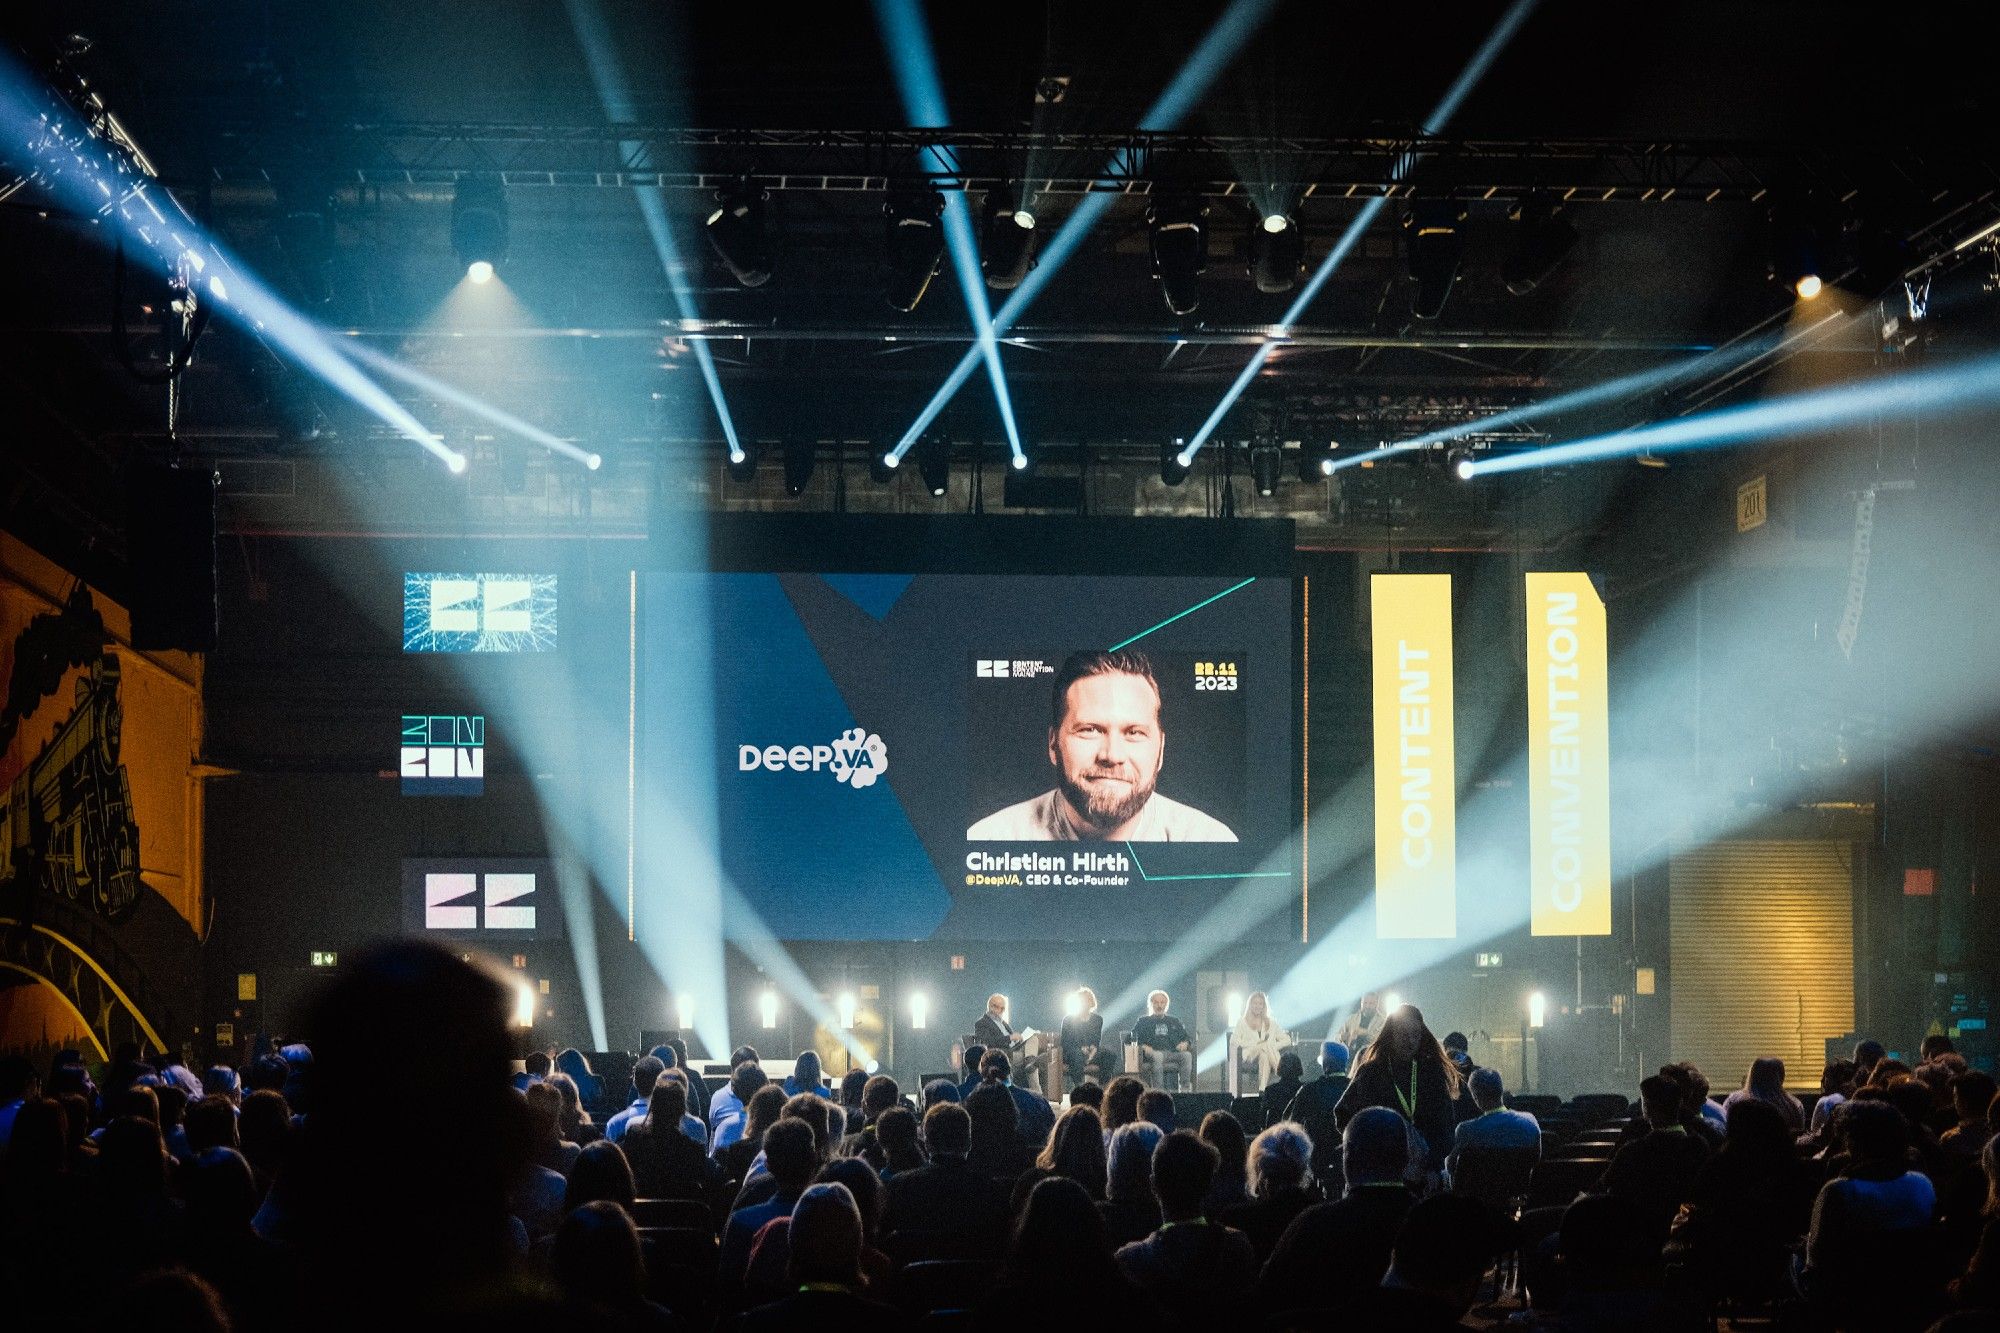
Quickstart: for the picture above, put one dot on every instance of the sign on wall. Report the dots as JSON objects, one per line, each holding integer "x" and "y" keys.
{"x": 1416, "y": 857}
{"x": 1569, "y": 757}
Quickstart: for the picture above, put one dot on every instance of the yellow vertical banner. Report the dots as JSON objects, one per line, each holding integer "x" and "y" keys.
{"x": 1416, "y": 790}
{"x": 1569, "y": 757}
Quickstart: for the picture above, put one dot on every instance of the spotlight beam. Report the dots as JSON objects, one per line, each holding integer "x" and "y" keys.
{"x": 1468, "y": 79}
{"x": 1644, "y": 381}
{"x": 614, "y": 93}
{"x": 1973, "y": 386}
{"x": 1218, "y": 47}
{"x": 911, "y": 54}
{"x": 100, "y": 173}
{"x": 430, "y": 384}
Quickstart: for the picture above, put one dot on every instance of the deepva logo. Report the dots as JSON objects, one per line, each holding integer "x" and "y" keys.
{"x": 858, "y": 758}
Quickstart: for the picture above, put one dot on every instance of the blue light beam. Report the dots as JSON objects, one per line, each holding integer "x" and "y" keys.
{"x": 1468, "y": 78}
{"x": 1945, "y": 390}
{"x": 430, "y": 384}
{"x": 614, "y": 94}
{"x": 910, "y": 53}
{"x": 75, "y": 165}
{"x": 1217, "y": 48}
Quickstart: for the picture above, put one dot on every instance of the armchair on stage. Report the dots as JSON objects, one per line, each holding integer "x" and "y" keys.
{"x": 1031, "y": 1056}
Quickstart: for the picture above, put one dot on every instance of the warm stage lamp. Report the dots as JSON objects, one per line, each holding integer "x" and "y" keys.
{"x": 846, "y": 1004}
{"x": 920, "y": 1011}
{"x": 1538, "y": 1010}
{"x": 739, "y": 233}
{"x": 913, "y": 246}
{"x": 934, "y": 466}
{"x": 1073, "y": 1005}
{"x": 1277, "y": 252}
{"x": 767, "y": 1009}
{"x": 1006, "y": 239}
{"x": 1177, "y": 234}
{"x": 479, "y": 226}
{"x": 1266, "y": 463}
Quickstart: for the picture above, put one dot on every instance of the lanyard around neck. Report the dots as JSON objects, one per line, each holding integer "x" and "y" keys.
{"x": 1409, "y": 1103}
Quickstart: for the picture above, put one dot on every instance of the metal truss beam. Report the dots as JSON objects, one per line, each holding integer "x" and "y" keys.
{"x": 1578, "y": 170}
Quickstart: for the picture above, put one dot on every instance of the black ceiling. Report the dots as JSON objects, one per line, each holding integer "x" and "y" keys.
{"x": 378, "y": 108}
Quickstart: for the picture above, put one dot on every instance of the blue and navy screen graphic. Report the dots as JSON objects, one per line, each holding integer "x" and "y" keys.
{"x": 479, "y": 613}
{"x": 970, "y": 756}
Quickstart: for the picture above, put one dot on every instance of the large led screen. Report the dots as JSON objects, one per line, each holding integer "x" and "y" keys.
{"x": 976, "y": 756}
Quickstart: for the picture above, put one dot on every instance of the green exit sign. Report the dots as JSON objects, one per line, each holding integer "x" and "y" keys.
{"x": 325, "y": 958}
{"x": 1486, "y": 959}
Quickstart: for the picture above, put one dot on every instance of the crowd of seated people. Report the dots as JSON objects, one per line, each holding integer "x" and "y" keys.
{"x": 300, "y": 1191}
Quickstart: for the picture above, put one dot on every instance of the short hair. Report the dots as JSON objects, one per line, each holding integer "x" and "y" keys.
{"x": 1183, "y": 1168}
{"x": 646, "y": 1073}
{"x": 1280, "y": 1159}
{"x": 939, "y": 1090}
{"x": 879, "y": 1093}
{"x": 1487, "y": 1087}
{"x": 862, "y": 1184}
{"x": 993, "y": 1106}
{"x": 948, "y": 1130}
{"x": 996, "y": 995}
{"x": 1375, "y": 1146}
{"x": 1156, "y": 1105}
{"x": 969, "y": 1058}
{"x": 1097, "y": 662}
{"x": 220, "y": 1081}
{"x": 1873, "y": 1131}
{"x": 1455, "y": 1041}
{"x": 1290, "y": 1066}
{"x": 1445, "y": 1240}
{"x": 1662, "y": 1097}
{"x": 545, "y": 1108}
{"x": 1088, "y": 1094}
{"x": 745, "y": 1079}
{"x": 537, "y": 1063}
{"x": 815, "y": 1112}
{"x": 1973, "y": 1091}
{"x": 1129, "y": 1169}
{"x": 995, "y": 1064}
{"x": 1164, "y": 998}
{"x": 896, "y": 1131}
{"x": 1867, "y": 1052}
{"x": 1121, "y": 1101}
{"x": 1934, "y": 1045}
{"x": 210, "y": 1123}
{"x": 852, "y": 1084}
{"x": 791, "y": 1155}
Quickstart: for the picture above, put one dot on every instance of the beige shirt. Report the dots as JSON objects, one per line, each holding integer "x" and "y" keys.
{"x": 1046, "y": 818}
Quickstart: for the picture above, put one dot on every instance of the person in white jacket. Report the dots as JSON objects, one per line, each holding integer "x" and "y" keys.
{"x": 1259, "y": 1040}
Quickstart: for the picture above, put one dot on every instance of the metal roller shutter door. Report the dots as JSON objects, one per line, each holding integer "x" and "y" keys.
{"x": 1762, "y": 936}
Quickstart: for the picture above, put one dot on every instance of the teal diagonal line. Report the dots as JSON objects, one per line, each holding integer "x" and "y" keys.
{"x": 1177, "y": 615}
{"x": 1161, "y": 879}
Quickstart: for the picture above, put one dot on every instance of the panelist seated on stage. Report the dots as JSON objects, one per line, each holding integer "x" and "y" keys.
{"x": 1107, "y": 745}
{"x": 1085, "y": 1057}
{"x": 1024, "y": 1048}
{"x": 1259, "y": 1041}
{"x": 1164, "y": 1045}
